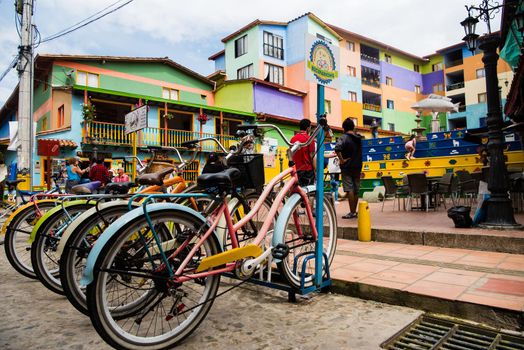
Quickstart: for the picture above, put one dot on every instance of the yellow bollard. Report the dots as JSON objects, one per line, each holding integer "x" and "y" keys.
{"x": 364, "y": 222}
{"x": 26, "y": 185}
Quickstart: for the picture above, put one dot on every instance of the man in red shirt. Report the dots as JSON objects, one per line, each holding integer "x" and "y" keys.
{"x": 99, "y": 172}
{"x": 303, "y": 158}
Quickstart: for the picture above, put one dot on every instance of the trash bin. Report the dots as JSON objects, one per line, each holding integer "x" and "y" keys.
{"x": 460, "y": 216}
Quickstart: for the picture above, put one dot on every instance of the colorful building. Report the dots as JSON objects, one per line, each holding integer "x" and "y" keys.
{"x": 180, "y": 101}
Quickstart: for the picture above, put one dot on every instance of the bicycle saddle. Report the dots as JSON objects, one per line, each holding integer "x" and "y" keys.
{"x": 86, "y": 188}
{"x": 225, "y": 179}
{"x": 154, "y": 178}
{"x": 13, "y": 182}
{"x": 119, "y": 187}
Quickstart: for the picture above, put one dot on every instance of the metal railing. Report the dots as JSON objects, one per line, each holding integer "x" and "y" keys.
{"x": 372, "y": 107}
{"x": 455, "y": 86}
{"x": 113, "y": 134}
{"x": 369, "y": 58}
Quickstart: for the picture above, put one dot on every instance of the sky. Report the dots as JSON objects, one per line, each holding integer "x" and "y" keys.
{"x": 189, "y": 32}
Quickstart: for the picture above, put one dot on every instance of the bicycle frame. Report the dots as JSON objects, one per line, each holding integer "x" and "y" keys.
{"x": 291, "y": 186}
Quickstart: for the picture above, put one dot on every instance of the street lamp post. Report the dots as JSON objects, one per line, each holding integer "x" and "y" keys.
{"x": 499, "y": 211}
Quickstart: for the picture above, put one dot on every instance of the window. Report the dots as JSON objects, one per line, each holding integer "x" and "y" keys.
{"x": 353, "y": 96}
{"x": 44, "y": 124}
{"x": 87, "y": 79}
{"x": 438, "y": 87}
{"x": 241, "y": 46}
{"x": 273, "y": 45}
{"x": 388, "y": 58}
{"x": 391, "y": 127}
{"x": 321, "y": 37}
{"x": 327, "y": 106}
{"x": 437, "y": 66}
{"x": 391, "y": 104}
{"x": 481, "y": 73}
{"x": 352, "y": 71}
{"x": 416, "y": 68}
{"x": 483, "y": 98}
{"x": 169, "y": 94}
{"x": 417, "y": 89}
{"x": 351, "y": 46}
{"x": 245, "y": 72}
{"x": 389, "y": 81}
{"x": 60, "y": 117}
{"x": 273, "y": 74}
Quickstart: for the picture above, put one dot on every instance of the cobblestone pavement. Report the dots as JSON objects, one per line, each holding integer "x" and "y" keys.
{"x": 249, "y": 317}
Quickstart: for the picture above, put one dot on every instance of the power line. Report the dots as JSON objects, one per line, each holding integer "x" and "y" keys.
{"x": 11, "y": 66}
{"x": 83, "y": 23}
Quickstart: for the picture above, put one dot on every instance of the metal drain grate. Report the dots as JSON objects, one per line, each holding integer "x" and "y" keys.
{"x": 428, "y": 332}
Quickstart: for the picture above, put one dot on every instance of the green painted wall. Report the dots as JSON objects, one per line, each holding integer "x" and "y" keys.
{"x": 400, "y": 61}
{"x": 47, "y": 118}
{"x": 39, "y": 95}
{"x": 237, "y": 96}
{"x": 287, "y": 130}
{"x": 428, "y": 67}
{"x": 426, "y": 122}
{"x": 60, "y": 78}
{"x": 404, "y": 121}
{"x": 251, "y": 57}
{"x": 154, "y": 71}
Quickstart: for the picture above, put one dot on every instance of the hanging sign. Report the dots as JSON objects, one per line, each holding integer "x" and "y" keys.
{"x": 321, "y": 61}
{"x": 136, "y": 120}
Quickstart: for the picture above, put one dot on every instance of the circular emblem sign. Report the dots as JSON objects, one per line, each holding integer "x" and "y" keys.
{"x": 322, "y": 62}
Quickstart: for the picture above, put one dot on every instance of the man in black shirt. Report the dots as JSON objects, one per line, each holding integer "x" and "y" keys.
{"x": 349, "y": 151}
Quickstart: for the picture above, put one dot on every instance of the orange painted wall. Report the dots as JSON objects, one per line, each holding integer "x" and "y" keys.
{"x": 61, "y": 98}
{"x": 472, "y": 63}
{"x": 403, "y": 99}
{"x": 353, "y": 110}
{"x": 349, "y": 58}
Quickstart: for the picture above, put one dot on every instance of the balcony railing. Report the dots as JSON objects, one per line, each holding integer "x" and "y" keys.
{"x": 371, "y": 82}
{"x": 369, "y": 58}
{"x": 455, "y": 86}
{"x": 113, "y": 134}
{"x": 372, "y": 107}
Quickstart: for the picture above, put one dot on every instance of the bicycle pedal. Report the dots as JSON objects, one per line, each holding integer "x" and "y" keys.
{"x": 280, "y": 251}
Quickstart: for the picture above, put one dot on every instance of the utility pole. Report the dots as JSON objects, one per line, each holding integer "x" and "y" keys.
{"x": 25, "y": 90}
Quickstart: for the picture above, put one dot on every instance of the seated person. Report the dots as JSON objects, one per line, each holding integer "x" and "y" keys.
{"x": 121, "y": 176}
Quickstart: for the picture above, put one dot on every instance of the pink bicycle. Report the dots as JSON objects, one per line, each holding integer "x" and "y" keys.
{"x": 154, "y": 273}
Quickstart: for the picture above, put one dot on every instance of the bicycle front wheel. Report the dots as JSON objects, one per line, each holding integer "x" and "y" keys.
{"x": 132, "y": 302}
{"x": 299, "y": 238}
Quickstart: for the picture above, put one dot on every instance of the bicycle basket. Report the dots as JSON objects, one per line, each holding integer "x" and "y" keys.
{"x": 251, "y": 167}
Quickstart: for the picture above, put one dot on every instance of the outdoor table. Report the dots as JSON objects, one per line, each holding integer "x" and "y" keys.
{"x": 431, "y": 181}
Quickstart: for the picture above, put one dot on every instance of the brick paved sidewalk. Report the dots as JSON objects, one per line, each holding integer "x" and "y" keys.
{"x": 484, "y": 279}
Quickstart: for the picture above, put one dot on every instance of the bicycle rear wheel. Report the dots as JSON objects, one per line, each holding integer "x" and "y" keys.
{"x": 17, "y": 233}
{"x": 44, "y": 256}
{"x": 299, "y": 238}
{"x": 77, "y": 248}
{"x": 131, "y": 302}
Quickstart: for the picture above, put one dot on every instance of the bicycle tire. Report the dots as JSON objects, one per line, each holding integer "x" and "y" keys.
{"x": 76, "y": 249}
{"x": 44, "y": 259}
{"x": 298, "y": 245}
{"x": 103, "y": 315}
{"x": 17, "y": 232}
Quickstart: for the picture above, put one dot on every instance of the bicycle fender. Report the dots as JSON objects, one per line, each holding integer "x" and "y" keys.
{"x": 78, "y": 221}
{"x": 18, "y": 210}
{"x": 49, "y": 213}
{"x": 280, "y": 229}
{"x": 124, "y": 220}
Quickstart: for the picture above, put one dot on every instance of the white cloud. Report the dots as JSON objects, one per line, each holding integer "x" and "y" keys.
{"x": 189, "y": 32}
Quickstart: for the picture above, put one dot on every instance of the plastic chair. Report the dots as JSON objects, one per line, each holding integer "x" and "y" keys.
{"x": 393, "y": 191}
{"x": 418, "y": 187}
{"x": 468, "y": 187}
{"x": 443, "y": 188}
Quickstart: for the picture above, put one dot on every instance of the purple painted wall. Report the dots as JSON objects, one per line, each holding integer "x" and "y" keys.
{"x": 402, "y": 78}
{"x": 430, "y": 79}
{"x": 271, "y": 101}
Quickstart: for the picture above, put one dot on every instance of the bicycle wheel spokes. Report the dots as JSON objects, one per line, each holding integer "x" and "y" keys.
{"x": 136, "y": 300}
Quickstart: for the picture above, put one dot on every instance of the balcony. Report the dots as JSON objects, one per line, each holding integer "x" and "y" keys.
{"x": 368, "y": 58}
{"x": 371, "y": 82}
{"x": 101, "y": 133}
{"x": 455, "y": 86}
{"x": 372, "y": 107}
{"x": 454, "y": 63}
